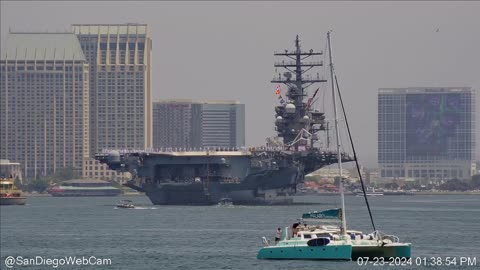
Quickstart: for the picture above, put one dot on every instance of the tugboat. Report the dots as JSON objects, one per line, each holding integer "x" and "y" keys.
{"x": 10, "y": 194}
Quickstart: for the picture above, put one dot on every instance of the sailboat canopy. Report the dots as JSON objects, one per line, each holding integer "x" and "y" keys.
{"x": 335, "y": 213}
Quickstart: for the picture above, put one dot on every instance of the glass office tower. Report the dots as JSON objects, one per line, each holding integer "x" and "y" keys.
{"x": 426, "y": 133}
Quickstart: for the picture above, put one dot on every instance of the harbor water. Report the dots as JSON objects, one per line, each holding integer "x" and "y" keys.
{"x": 213, "y": 237}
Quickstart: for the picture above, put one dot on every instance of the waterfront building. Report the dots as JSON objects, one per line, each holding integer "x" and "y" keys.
{"x": 185, "y": 124}
{"x": 10, "y": 169}
{"x": 44, "y": 112}
{"x": 371, "y": 176}
{"x": 330, "y": 173}
{"x": 426, "y": 133}
{"x": 120, "y": 58}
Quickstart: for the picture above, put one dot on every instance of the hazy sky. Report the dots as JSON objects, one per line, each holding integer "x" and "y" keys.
{"x": 214, "y": 50}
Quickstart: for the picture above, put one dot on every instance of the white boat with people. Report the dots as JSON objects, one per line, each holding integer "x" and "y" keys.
{"x": 126, "y": 204}
{"x": 225, "y": 202}
{"x": 369, "y": 192}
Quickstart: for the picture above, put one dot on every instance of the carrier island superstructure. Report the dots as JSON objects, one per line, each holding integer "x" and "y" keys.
{"x": 259, "y": 175}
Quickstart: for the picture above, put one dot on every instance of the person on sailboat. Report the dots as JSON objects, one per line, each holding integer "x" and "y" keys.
{"x": 295, "y": 229}
{"x": 278, "y": 235}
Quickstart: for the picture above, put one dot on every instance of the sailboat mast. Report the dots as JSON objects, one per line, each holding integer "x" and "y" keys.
{"x": 339, "y": 155}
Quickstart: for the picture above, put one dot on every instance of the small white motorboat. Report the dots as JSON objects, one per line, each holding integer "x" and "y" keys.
{"x": 125, "y": 204}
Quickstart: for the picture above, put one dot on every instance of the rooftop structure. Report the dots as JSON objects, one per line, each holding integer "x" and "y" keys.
{"x": 85, "y": 182}
{"x": 43, "y": 46}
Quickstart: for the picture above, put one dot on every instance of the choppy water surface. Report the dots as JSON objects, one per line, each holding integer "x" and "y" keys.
{"x": 210, "y": 237}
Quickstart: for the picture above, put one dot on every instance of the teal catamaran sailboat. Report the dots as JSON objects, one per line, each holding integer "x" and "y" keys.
{"x": 310, "y": 243}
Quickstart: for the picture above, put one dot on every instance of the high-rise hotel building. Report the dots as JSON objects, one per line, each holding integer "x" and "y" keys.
{"x": 120, "y": 57}
{"x": 44, "y": 102}
{"x": 195, "y": 124}
{"x": 426, "y": 133}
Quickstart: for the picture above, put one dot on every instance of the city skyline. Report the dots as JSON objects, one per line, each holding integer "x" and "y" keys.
{"x": 197, "y": 57}
{"x": 68, "y": 95}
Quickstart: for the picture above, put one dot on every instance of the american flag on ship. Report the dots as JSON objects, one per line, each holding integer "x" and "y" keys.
{"x": 279, "y": 94}
{"x": 277, "y": 90}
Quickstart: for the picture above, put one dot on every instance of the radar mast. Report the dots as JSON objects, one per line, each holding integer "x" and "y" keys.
{"x": 296, "y": 121}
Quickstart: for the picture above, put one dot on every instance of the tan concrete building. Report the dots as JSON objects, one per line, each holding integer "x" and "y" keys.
{"x": 120, "y": 57}
{"x": 44, "y": 112}
{"x": 92, "y": 169}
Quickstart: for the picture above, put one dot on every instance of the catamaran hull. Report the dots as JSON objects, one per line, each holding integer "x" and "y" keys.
{"x": 385, "y": 251}
{"x": 340, "y": 252}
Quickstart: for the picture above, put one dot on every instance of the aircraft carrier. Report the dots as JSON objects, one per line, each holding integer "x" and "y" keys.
{"x": 261, "y": 175}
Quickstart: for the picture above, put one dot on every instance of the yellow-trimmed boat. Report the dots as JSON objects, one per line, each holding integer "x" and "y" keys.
{"x": 10, "y": 194}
